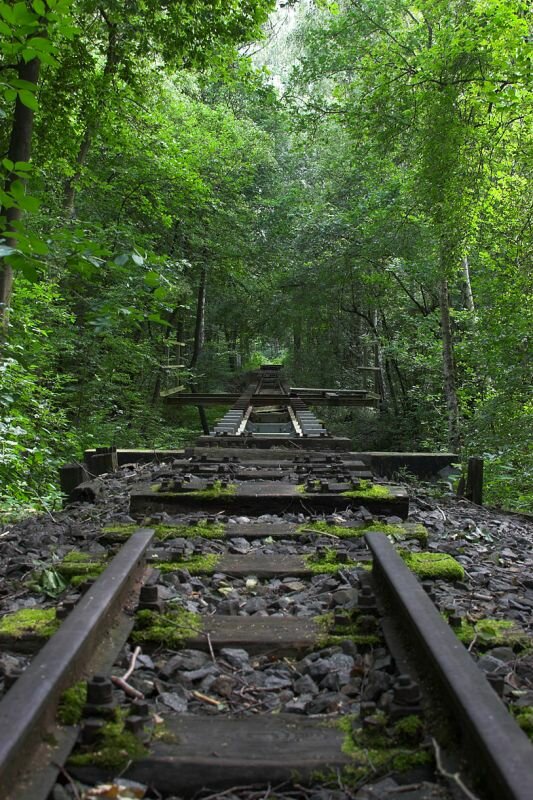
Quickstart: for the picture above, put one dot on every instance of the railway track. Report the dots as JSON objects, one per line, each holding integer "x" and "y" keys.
{"x": 339, "y": 671}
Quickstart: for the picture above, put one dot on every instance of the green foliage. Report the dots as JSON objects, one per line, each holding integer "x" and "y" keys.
{"x": 387, "y": 144}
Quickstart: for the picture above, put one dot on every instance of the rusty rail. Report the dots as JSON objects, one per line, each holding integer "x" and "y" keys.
{"x": 487, "y": 727}
{"x": 29, "y": 707}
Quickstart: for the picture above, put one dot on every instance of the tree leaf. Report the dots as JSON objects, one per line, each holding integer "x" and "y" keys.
{"x": 28, "y": 99}
{"x": 152, "y": 279}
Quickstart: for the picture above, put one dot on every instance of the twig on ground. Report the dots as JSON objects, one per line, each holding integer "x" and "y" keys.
{"x": 232, "y": 789}
{"x": 206, "y": 699}
{"x": 452, "y": 776}
{"x": 133, "y": 661}
{"x": 210, "y": 645}
{"x": 320, "y": 533}
{"x": 69, "y": 778}
{"x": 126, "y": 687}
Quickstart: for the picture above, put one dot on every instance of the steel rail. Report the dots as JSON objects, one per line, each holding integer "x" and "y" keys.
{"x": 487, "y": 726}
{"x": 29, "y": 707}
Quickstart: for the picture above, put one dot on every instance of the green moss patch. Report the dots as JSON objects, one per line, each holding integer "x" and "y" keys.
{"x": 331, "y": 634}
{"x": 369, "y": 491}
{"x": 171, "y": 629}
{"x": 415, "y": 531}
{"x": 365, "y": 491}
{"x": 196, "y": 565}
{"x": 524, "y": 717}
{"x": 382, "y": 750}
{"x": 40, "y": 622}
{"x": 433, "y": 565}
{"x": 408, "y": 728}
{"x": 76, "y": 563}
{"x": 71, "y": 704}
{"x": 202, "y": 529}
{"x": 490, "y": 633}
{"x": 327, "y": 563}
{"x": 216, "y": 491}
{"x": 114, "y": 749}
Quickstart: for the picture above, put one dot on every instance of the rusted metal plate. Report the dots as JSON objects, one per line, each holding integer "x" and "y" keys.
{"x": 503, "y": 749}
{"x": 29, "y": 707}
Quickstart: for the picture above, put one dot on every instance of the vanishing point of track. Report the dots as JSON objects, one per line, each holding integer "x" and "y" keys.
{"x": 268, "y": 454}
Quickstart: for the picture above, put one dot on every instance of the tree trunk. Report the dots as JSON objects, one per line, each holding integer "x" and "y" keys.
{"x": 19, "y": 150}
{"x": 70, "y": 186}
{"x": 157, "y": 385}
{"x": 468, "y": 296}
{"x": 448, "y": 365}
{"x": 199, "y": 327}
{"x": 380, "y": 384}
{"x": 392, "y": 389}
{"x": 297, "y": 343}
{"x": 231, "y": 341}
{"x": 199, "y": 338}
{"x": 71, "y": 183}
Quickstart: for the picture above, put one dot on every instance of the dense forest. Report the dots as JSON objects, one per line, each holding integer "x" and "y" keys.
{"x": 192, "y": 188}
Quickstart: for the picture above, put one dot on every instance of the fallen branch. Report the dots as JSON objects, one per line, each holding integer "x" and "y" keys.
{"x": 126, "y": 687}
{"x": 133, "y": 661}
{"x": 452, "y": 776}
{"x": 206, "y": 699}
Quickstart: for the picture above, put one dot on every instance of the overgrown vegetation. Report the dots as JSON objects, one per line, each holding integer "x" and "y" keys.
{"x": 171, "y": 629}
{"x": 396, "y": 532}
{"x": 39, "y": 622}
{"x": 372, "y": 164}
